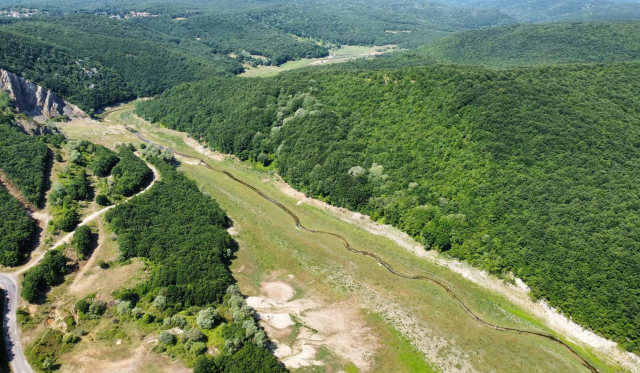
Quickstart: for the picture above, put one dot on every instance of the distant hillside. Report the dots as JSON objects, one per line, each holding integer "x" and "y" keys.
{"x": 408, "y": 23}
{"x": 547, "y": 10}
{"x": 536, "y": 44}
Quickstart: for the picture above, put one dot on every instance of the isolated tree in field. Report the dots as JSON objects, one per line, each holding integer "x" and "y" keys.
{"x": 82, "y": 241}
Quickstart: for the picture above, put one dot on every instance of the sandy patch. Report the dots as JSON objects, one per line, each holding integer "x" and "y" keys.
{"x": 337, "y": 327}
{"x": 233, "y": 231}
{"x": 277, "y": 320}
{"x": 193, "y": 163}
{"x": 277, "y": 291}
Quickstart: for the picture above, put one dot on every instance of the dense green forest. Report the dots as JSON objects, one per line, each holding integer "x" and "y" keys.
{"x": 95, "y": 60}
{"x": 24, "y": 160}
{"x": 360, "y": 22}
{"x": 80, "y": 80}
{"x": 235, "y": 33}
{"x": 130, "y": 173}
{"x": 249, "y": 358}
{"x": 519, "y": 170}
{"x": 16, "y": 229}
{"x": 558, "y": 10}
{"x": 147, "y": 66}
{"x": 539, "y": 44}
{"x": 183, "y": 232}
{"x": 47, "y": 273}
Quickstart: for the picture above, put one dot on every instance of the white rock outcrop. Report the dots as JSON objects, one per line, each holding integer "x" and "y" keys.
{"x": 33, "y": 100}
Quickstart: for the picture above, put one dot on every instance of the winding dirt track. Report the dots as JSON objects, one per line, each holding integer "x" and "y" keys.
{"x": 348, "y": 246}
{"x": 9, "y": 283}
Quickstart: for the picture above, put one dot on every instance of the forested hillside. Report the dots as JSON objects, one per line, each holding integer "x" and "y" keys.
{"x": 24, "y": 160}
{"x": 550, "y": 10}
{"x": 408, "y": 23}
{"x": 82, "y": 81}
{"x": 539, "y": 44}
{"x": 16, "y": 229}
{"x": 235, "y": 33}
{"x": 378, "y": 22}
{"x": 527, "y": 170}
{"x": 147, "y": 66}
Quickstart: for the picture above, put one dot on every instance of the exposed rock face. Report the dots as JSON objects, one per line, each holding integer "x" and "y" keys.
{"x": 33, "y": 100}
{"x": 30, "y": 127}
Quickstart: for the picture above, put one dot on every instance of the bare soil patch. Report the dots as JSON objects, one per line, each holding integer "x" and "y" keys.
{"x": 336, "y": 327}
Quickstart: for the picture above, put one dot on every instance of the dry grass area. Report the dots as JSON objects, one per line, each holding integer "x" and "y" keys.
{"x": 337, "y": 55}
{"x": 133, "y": 356}
{"x": 333, "y": 297}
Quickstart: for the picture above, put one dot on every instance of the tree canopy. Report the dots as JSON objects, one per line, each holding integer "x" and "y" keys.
{"x": 528, "y": 170}
{"x": 183, "y": 232}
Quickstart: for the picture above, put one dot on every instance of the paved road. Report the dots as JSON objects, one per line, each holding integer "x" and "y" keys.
{"x": 18, "y": 361}
{"x": 9, "y": 282}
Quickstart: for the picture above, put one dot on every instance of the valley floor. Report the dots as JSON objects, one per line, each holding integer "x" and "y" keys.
{"x": 328, "y": 309}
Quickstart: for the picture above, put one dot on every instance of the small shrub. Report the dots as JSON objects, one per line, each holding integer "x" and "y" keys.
{"x": 148, "y": 318}
{"x": 137, "y": 312}
{"x": 167, "y": 338}
{"x": 97, "y": 308}
{"x": 70, "y": 338}
{"x": 194, "y": 335}
{"x": 82, "y": 305}
{"x": 102, "y": 264}
{"x": 124, "y": 308}
{"x": 159, "y": 349}
{"x": 179, "y": 321}
{"x": 103, "y": 200}
{"x": 206, "y": 318}
{"x": 198, "y": 348}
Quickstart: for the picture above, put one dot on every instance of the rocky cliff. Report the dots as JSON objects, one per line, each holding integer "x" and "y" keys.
{"x": 33, "y": 100}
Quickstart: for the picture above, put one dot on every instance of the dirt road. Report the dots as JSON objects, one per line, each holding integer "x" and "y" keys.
{"x": 9, "y": 282}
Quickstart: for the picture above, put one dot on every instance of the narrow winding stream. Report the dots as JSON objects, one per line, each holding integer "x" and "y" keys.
{"x": 348, "y": 246}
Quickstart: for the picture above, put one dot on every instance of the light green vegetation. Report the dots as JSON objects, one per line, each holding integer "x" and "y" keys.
{"x": 337, "y": 55}
{"x": 271, "y": 248}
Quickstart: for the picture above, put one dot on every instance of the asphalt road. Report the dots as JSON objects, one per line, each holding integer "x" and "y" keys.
{"x": 17, "y": 359}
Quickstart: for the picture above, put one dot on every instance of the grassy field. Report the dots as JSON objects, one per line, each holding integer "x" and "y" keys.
{"x": 415, "y": 326}
{"x": 338, "y": 55}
